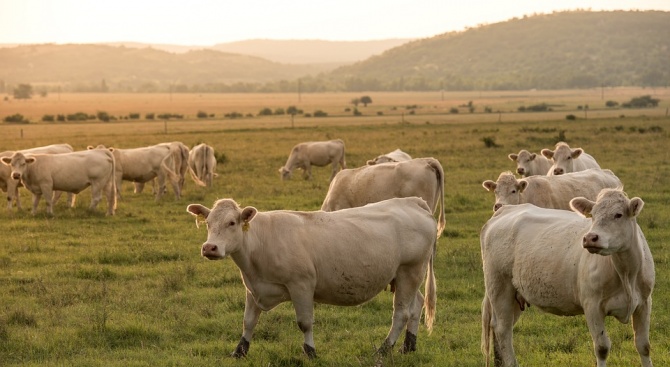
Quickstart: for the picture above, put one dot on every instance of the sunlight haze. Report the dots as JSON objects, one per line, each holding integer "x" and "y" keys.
{"x": 208, "y": 22}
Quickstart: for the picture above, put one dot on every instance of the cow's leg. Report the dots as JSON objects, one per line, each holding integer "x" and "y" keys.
{"x": 595, "y": 319}
{"x": 307, "y": 173}
{"x": 13, "y": 189}
{"x": 96, "y": 195}
{"x": 413, "y": 324}
{"x": 36, "y": 200}
{"x": 407, "y": 285}
{"x": 139, "y": 187}
{"x": 47, "y": 192}
{"x": 251, "y": 314}
{"x": 641, "y": 331}
{"x": 118, "y": 176}
{"x": 161, "y": 185}
{"x": 71, "y": 199}
{"x": 506, "y": 311}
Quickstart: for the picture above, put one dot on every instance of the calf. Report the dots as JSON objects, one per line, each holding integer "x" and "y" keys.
{"x": 594, "y": 262}
{"x": 340, "y": 258}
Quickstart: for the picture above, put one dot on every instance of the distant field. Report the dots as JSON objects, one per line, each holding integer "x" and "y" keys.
{"x": 82, "y": 289}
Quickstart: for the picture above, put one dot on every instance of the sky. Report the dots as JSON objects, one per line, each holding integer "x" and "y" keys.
{"x": 208, "y": 22}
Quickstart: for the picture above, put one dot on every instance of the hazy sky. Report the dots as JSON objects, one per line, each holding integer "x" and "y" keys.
{"x": 207, "y": 22}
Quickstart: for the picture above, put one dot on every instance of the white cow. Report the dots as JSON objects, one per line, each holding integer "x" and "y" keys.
{"x": 202, "y": 164}
{"x": 178, "y": 164}
{"x": 566, "y": 160}
{"x": 422, "y": 177}
{"x": 314, "y": 153}
{"x": 394, "y": 156}
{"x": 11, "y": 186}
{"x": 530, "y": 164}
{"x": 566, "y": 264}
{"x": 341, "y": 258}
{"x": 143, "y": 165}
{"x": 72, "y": 172}
{"x": 554, "y": 192}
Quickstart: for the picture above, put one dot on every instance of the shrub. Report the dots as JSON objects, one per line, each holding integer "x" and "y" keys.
{"x": 380, "y": 113}
{"x": 233, "y": 115}
{"x": 641, "y": 102}
{"x": 453, "y": 110}
{"x": 490, "y": 142}
{"x": 16, "y": 118}
{"x": 356, "y": 112}
{"x": 201, "y": 115}
{"x": 570, "y": 117}
{"x": 265, "y": 112}
{"x": 150, "y": 116}
{"x": 611, "y": 103}
{"x": 103, "y": 116}
{"x": 279, "y": 111}
{"x": 134, "y": 116}
{"x": 60, "y": 118}
{"x": 319, "y": 113}
{"x": 48, "y": 118}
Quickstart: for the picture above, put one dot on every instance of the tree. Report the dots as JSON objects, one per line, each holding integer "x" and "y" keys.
{"x": 355, "y": 101}
{"x": 23, "y": 91}
{"x": 365, "y": 100}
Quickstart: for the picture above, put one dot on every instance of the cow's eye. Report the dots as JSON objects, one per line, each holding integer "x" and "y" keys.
{"x": 569, "y": 158}
{"x": 231, "y": 223}
{"x": 618, "y": 215}
{"x": 513, "y": 191}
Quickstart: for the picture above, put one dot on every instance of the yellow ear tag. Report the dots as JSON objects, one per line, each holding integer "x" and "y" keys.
{"x": 245, "y": 226}
{"x": 200, "y": 219}
{"x": 588, "y": 215}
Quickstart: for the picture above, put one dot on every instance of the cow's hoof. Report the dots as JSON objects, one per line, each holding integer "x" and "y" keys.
{"x": 242, "y": 349}
{"x": 385, "y": 348}
{"x": 309, "y": 351}
{"x": 410, "y": 343}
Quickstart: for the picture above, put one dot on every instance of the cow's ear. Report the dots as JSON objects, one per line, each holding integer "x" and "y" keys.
{"x": 547, "y": 153}
{"x": 371, "y": 162}
{"x": 576, "y": 153}
{"x": 582, "y": 206}
{"x": 522, "y": 185}
{"x": 635, "y": 207}
{"x": 30, "y": 160}
{"x": 90, "y": 147}
{"x": 248, "y": 214}
{"x": 513, "y": 157}
{"x": 489, "y": 185}
{"x": 7, "y": 160}
{"x": 200, "y": 212}
{"x": 533, "y": 156}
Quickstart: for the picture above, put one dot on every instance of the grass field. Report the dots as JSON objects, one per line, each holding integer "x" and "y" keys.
{"x": 82, "y": 289}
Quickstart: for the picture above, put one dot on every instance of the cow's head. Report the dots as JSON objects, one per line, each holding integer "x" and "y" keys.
{"x": 523, "y": 161}
{"x": 380, "y": 159}
{"x": 91, "y": 147}
{"x": 614, "y": 221}
{"x": 563, "y": 158}
{"x": 226, "y": 224}
{"x": 507, "y": 189}
{"x": 285, "y": 173}
{"x": 18, "y": 163}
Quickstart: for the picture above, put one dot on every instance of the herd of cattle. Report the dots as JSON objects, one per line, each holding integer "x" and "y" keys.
{"x": 563, "y": 238}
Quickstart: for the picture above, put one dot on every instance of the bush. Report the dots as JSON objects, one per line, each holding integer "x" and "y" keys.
{"x": 150, "y": 116}
{"x": 48, "y": 118}
{"x": 611, "y": 103}
{"x": 60, "y": 118}
{"x": 319, "y": 113}
{"x": 279, "y": 111}
{"x": 570, "y": 117}
{"x": 78, "y": 116}
{"x": 233, "y": 115}
{"x": 380, "y": 113}
{"x": 453, "y": 110}
{"x": 103, "y": 116}
{"x": 201, "y": 115}
{"x": 16, "y": 118}
{"x": 265, "y": 112}
{"x": 641, "y": 102}
{"x": 134, "y": 116}
{"x": 490, "y": 142}
{"x": 356, "y": 112}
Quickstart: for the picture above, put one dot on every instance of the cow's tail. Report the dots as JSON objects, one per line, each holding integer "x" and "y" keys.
{"x": 111, "y": 187}
{"x": 439, "y": 194}
{"x": 171, "y": 174}
{"x": 195, "y": 177}
{"x": 486, "y": 329}
{"x": 430, "y": 291}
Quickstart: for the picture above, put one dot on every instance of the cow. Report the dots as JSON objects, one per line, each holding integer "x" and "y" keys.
{"x": 314, "y": 153}
{"x": 341, "y": 258}
{"x": 530, "y": 164}
{"x": 202, "y": 164}
{"x": 566, "y": 160}
{"x": 594, "y": 261}
{"x": 11, "y": 186}
{"x": 394, "y": 156}
{"x": 72, "y": 172}
{"x": 422, "y": 177}
{"x": 553, "y": 192}
{"x": 178, "y": 164}
{"x": 143, "y": 165}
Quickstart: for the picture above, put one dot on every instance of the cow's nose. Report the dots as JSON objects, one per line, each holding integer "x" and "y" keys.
{"x": 558, "y": 171}
{"x": 497, "y": 206}
{"x": 16, "y": 176}
{"x": 206, "y": 248}
{"x": 520, "y": 171}
{"x": 590, "y": 238}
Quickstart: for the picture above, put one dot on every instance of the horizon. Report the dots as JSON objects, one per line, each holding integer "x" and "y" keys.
{"x": 197, "y": 24}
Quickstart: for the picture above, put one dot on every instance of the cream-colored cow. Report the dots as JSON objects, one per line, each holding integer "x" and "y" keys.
{"x": 553, "y": 192}
{"x": 566, "y": 160}
{"x": 42, "y": 174}
{"x": 394, "y": 156}
{"x": 566, "y": 264}
{"x": 314, "y": 153}
{"x": 530, "y": 164}
{"x": 202, "y": 163}
{"x": 341, "y": 258}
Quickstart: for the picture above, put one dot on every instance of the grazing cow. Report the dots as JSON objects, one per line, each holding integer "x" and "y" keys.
{"x": 72, "y": 172}
{"x": 314, "y": 153}
{"x": 202, "y": 164}
{"x": 143, "y": 165}
{"x": 566, "y": 264}
{"x": 553, "y": 192}
{"x": 11, "y": 186}
{"x": 395, "y": 156}
{"x": 341, "y": 258}
{"x": 422, "y": 177}
{"x": 530, "y": 164}
{"x": 566, "y": 160}
{"x": 178, "y": 164}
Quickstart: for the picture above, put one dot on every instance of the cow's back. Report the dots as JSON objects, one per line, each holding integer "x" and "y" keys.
{"x": 585, "y": 161}
{"x": 555, "y": 192}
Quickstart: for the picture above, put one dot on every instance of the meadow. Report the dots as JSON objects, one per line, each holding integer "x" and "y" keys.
{"x": 83, "y": 289}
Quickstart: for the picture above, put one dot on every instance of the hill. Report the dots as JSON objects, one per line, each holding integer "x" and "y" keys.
{"x": 560, "y": 50}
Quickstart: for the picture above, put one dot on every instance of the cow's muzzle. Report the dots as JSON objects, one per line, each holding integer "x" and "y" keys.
{"x": 591, "y": 243}
{"x": 211, "y": 251}
{"x": 16, "y": 175}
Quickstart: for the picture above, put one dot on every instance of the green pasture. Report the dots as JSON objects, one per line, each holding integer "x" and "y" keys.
{"x": 83, "y": 289}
